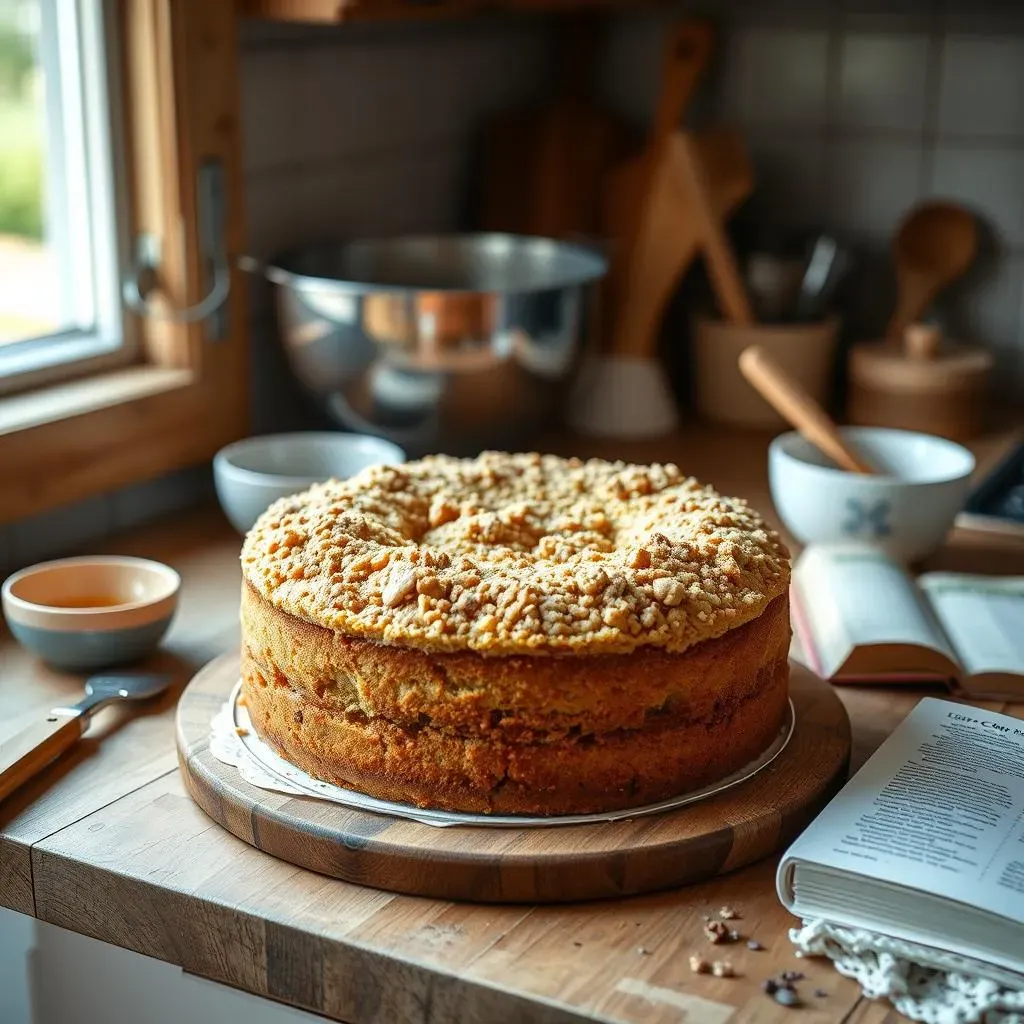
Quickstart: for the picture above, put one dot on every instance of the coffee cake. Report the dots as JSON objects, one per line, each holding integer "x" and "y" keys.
{"x": 515, "y": 633}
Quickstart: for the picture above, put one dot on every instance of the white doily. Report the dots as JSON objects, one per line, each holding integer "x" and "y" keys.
{"x": 924, "y": 984}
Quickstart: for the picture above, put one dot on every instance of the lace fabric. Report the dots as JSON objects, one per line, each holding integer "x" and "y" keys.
{"x": 925, "y": 984}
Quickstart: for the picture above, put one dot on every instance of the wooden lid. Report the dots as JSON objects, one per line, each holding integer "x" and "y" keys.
{"x": 923, "y": 363}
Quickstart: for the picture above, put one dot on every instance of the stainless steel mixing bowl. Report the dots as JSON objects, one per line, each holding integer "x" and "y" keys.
{"x": 443, "y": 343}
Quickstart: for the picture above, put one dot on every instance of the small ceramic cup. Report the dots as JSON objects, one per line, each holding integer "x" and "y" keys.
{"x": 87, "y": 613}
{"x": 906, "y": 509}
{"x": 252, "y": 474}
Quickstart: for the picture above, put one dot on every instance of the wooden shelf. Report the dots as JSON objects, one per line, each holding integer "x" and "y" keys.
{"x": 335, "y": 11}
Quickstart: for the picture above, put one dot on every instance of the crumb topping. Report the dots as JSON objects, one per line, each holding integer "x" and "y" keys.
{"x": 517, "y": 554}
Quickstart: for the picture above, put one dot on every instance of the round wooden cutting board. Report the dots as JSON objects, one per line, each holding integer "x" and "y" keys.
{"x": 573, "y": 862}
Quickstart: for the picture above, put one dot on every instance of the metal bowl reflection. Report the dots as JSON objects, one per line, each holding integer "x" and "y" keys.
{"x": 439, "y": 343}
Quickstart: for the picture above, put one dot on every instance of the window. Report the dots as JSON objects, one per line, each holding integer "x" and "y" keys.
{"x": 114, "y": 111}
{"x": 60, "y": 247}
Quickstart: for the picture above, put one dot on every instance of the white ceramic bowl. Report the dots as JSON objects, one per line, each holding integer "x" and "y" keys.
{"x": 906, "y": 509}
{"x": 91, "y": 612}
{"x": 250, "y": 475}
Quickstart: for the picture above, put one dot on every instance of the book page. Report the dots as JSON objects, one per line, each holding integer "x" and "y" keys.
{"x": 939, "y": 808}
{"x": 851, "y": 596}
{"x": 983, "y": 616}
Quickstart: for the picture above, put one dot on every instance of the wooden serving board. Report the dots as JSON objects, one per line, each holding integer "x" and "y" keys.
{"x": 575, "y": 862}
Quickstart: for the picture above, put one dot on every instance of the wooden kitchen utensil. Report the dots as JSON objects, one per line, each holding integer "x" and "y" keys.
{"x": 935, "y": 244}
{"x": 643, "y": 192}
{"x": 544, "y": 167}
{"x": 928, "y": 385}
{"x": 28, "y": 752}
{"x": 807, "y": 352}
{"x": 623, "y": 391}
{"x": 716, "y": 248}
{"x": 802, "y": 411}
{"x": 671, "y": 234}
{"x": 519, "y": 865}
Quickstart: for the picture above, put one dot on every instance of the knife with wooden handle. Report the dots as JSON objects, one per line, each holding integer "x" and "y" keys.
{"x": 38, "y": 745}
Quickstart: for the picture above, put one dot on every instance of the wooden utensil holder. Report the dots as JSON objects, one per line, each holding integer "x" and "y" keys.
{"x": 805, "y": 351}
{"x": 925, "y": 384}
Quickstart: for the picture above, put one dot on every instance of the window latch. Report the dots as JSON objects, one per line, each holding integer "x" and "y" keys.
{"x": 142, "y": 281}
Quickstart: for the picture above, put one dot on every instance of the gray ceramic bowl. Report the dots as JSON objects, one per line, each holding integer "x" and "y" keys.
{"x": 87, "y": 613}
{"x": 250, "y": 475}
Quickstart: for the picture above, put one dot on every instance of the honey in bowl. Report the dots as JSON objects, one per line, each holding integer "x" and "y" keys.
{"x": 88, "y": 601}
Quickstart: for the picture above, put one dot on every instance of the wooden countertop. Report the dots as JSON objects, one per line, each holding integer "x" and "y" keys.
{"x": 107, "y": 843}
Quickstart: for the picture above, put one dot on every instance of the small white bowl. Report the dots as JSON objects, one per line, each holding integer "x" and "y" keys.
{"x": 906, "y": 509}
{"x": 91, "y": 612}
{"x": 252, "y": 474}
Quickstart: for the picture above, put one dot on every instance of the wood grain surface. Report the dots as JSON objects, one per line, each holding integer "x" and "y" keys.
{"x": 551, "y": 865}
{"x": 107, "y": 842}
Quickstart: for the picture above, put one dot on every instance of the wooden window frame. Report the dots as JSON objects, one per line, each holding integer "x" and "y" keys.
{"x": 188, "y": 395}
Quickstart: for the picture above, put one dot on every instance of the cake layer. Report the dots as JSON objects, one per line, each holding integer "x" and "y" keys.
{"x": 518, "y": 698}
{"x": 519, "y": 735}
{"x": 513, "y": 554}
{"x": 430, "y": 767}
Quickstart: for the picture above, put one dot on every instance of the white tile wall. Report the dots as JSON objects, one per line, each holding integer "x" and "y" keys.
{"x": 989, "y": 307}
{"x": 991, "y": 181}
{"x": 871, "y": 183}
{"x": 854, "y": 121}
{"x": 792, "y": 178}
{"x": 981, "y": 90}
{"x": 778, "y": 76}
{"x": 883, "y": 81}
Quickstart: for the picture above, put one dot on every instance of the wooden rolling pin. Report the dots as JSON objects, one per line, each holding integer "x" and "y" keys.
{"x": 799, "y": 408}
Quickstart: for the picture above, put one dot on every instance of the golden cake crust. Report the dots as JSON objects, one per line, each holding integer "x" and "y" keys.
{"x": 517, "y": 554}
{"x": 564, "y": 734}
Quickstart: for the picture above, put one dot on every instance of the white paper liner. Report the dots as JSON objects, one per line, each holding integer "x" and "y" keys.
{"x": 234, "y": 741}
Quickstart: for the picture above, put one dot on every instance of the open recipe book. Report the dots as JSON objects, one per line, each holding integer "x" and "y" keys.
{"x": 860, "y": 618}
{"x": 926, "y": 843}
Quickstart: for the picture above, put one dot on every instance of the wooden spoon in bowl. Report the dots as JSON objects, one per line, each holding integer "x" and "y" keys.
{"x": 935, "y": 244}
{"x": 791, "y": 401}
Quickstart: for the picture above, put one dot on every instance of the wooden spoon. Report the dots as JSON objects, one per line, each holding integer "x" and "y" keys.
{"x": 935, "y": 244}
{"x": 791, "y": 401}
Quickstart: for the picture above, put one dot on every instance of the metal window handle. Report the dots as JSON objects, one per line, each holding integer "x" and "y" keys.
{"x": 142, "y": 281}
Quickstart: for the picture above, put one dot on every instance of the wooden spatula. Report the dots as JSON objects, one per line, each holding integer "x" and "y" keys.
{"x": 718, "y": 253}
{"x": 790, "y": 400}
{"x": 641, "y": 199}
{"x": 671, "y": 237}
{"x": 686, "y": 54}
